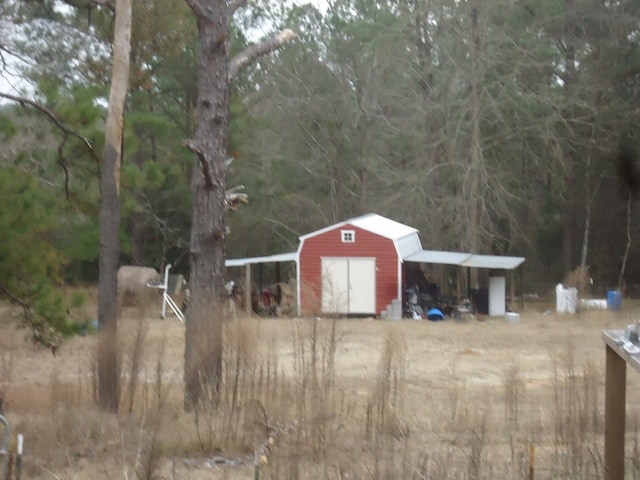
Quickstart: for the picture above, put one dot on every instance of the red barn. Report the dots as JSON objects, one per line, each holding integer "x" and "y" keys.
{"x": 354, "y": 267}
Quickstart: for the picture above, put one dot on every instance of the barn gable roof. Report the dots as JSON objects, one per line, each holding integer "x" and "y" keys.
{"x": 404, "y": 237}
{"x": 374, "y": 223}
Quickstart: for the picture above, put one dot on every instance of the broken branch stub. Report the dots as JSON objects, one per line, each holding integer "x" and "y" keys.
{"x": 253, "y": 52}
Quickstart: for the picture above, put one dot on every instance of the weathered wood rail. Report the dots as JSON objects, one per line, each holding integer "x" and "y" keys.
{"x": 620, "y": 351}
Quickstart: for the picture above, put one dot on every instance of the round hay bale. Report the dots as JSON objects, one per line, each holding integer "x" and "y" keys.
{"x": 132, "y": 285}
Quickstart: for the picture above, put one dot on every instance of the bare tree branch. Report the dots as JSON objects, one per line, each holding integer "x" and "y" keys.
{"x": 253, "y": 52}
{"x": 41, "y": 332}
{"x": 110, "y": 4}
{"x": 63, "y": 164}
{"x": 66, "y": 134}
{"x": 233, "y": 198}
{"x": 198, "y": 8}
{"x": 236, "y": 5}
{"x": 25, "y": 101}
{"x": 206, "y": 171}
{"x": 235, "y": 189}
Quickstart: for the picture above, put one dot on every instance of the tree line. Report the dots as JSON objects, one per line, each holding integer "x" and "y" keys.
{"x": 497, "y": 127}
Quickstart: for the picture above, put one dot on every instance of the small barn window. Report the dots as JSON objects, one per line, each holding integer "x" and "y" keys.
{"x": 348, "y": 236}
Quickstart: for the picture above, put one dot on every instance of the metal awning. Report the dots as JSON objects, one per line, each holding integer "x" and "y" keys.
{"x": 280, "y": 257}
{"x": 497, "y": 262}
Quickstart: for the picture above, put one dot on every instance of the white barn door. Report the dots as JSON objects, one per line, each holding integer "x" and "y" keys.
{"x": 362, "y": 285}
{"x": 349, "y": 285}
{"x": 335, "y": 285}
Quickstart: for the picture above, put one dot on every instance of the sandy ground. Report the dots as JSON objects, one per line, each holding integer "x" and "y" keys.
{"x": 474, "y": 352}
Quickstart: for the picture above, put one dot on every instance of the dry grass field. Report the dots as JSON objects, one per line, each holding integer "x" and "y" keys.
{"x": 340, "y": 399}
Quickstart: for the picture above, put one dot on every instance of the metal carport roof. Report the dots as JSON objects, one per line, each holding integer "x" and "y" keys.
{"x": 493, "y": 261}
{"x": 280, "y": 257}
{"x": 437, "y": 256}
{"x": 497, "y": 262}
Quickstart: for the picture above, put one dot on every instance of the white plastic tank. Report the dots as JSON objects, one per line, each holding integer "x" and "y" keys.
{"x": 566, "y": 299}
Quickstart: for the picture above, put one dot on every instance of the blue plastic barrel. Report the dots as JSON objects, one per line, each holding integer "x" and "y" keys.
{"x": 435, "y": 314}
{"x": 614, "y": 300}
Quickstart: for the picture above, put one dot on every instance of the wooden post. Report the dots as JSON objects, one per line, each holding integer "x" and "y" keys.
{"x": 615, "y": 401}
{"x": 247, "y": 288}
{"x": 278, "y": 292}
{"x": 532, "y": 461}
{"x": 469, "y": 284}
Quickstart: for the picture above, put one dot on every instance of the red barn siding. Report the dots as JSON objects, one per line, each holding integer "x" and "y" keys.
{"x": 329, "y": 244}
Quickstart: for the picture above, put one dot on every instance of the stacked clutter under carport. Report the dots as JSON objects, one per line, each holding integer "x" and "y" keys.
{"x": 485, "y": 299}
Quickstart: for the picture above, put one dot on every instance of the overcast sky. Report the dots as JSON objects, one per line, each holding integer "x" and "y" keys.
{"x": 8, "y": 82}
{"x": 321, "y": 4}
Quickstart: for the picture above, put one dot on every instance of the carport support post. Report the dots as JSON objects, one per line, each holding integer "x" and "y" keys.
{"x": 521, "y": 268}
{"x": 247, "y": 288}
{"x": 513, "y": 289}
{"x": 615, "y": 401}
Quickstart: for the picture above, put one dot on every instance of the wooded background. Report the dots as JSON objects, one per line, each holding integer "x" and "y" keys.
{"x": 492, "y": 126}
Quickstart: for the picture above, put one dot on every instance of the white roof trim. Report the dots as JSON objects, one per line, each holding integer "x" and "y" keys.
{"x": 280, "y": 257}
{"x": 323, "y": 230}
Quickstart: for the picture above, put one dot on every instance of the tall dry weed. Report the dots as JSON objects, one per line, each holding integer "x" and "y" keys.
{"x": 229, "y": 415}
{"x": 6, "y": 366}
{"x": 576, "y": 423}
{"x": 316, "y": 400}
{"x": 513, "y": 391}
{"x": 385, "y": 407}
{"x": 456, "y": 401}
{"x": 477, "y": 444}
{"x": 134, "y": 357}
{"x": 327, "y": 425}
{"x": 635, "y": 444}
{"x": 579, "y": 279}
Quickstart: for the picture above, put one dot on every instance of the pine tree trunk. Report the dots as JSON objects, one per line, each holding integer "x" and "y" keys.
{"x": 108, "y": 371}
{"x": 205, "y": 316}
{"x": 204, "y": 323}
